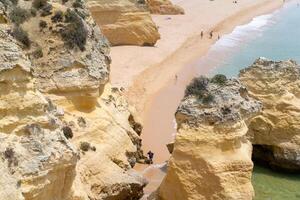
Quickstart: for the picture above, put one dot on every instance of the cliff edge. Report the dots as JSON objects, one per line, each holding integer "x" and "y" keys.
{"x": 66, "y": 133}
{"x": 212, "y": 155}
{"x": 275, "y": 132}
{"x": 124, "y": 22}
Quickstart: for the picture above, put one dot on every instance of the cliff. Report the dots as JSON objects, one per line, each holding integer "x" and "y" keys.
{"x": 37, "y": 159}
{"x": 211, "y": 158}
{"x": 275, "y": 132}
{"x": 164, "y": 7}
{"x": 65, "y": 133}
{"x": 124, "y": 22}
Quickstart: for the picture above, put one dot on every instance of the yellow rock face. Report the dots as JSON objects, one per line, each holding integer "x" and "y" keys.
{"x": 212, "y": 156}
{"x": 164, "y": 7}
{"x": 105, "y": 172}
{"x": 276, "y": 132}
{"x": 124, "y": 22}
{"x": 37, "y": 161}
{"x": 51, "y": 91}
{"x": 210, "y": 163}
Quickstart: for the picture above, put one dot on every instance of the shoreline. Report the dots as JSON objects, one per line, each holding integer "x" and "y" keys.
{"x": 156, "y": 110}
{"x": 144, "y": 86}
{"x": 161, "y": 89}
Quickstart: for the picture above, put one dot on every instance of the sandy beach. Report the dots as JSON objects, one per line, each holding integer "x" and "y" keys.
{"x": 150, "y": 71}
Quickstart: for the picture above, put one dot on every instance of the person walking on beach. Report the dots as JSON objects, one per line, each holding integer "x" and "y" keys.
{"x": 218, "y": 37}
{"x": 201, "y": 34}
{"x": 150, "y": 156}
{"x": 211, "y": 34}
{"x": 176, "y": 77}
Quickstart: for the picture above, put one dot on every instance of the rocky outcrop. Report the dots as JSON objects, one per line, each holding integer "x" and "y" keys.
{"x": 164, "y": 7}
{"x": 276, "y": 131}
{"x": 65, "y": 133}
{"x": 124, "y": 22}
{"x": 211, "y": 158}
{"x": 37, "y": 161}
{"x": 105, "y": 172}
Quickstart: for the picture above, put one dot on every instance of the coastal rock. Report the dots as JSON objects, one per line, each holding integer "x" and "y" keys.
{"x": 275, "y": 132}
{"x": 37, "y": 161}
{"x": 52, "y": 90}
{"x": 164, "y": 7}
{"x": 64, "y": 64}
{"x": 105, "y": 173}
{"x": 124, "y": 22}
{"x": 211, "y": 158}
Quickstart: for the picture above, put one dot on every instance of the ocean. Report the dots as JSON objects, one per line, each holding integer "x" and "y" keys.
{"x": 275, "y": 36}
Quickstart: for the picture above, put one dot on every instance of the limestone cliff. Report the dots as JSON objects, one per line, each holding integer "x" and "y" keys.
{"x": 211, "y": 158}
{"x": 164, "y": 7}
{"x": 276, "y": 131}
{"x": 37, "y": 160}
{"x": 65, "y": 133}
{"x": 124, "y": 22}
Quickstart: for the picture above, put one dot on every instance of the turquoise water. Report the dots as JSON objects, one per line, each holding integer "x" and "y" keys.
{"x": 269, "y": 185}
{"x": 279, "y": 41}
{"x": 275, "y": 36}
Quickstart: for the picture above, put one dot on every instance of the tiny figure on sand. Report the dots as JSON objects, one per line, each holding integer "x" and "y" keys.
{"x": 210, "y": 34}
{"x": 201, "y": 34}
{"x": 150, "y": 156}
{"x": 176, "y": 78}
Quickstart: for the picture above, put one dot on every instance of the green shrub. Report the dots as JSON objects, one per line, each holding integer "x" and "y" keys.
{"x": 71, "y": 16}
{"x": 85, "y": 146}
{"x": 75, "y": 33}
{"x": 43, "y": 24}
{"x": 67, "y": 132}
{"x": 33, "y": 12}
{"x": 38, "y": 4}
{"x": 21, "y": 36}
{"x": 57, "y": 17}
{"x": 219, "y": 79}
{"x": 18, "y": 15}
{"x": 197, "y": 87}
{"x": 208, "y": 98}
{"x": 7, "y": 3}
{"x": 64, "y": 1}
{"x": 46, "y": 10}
{"x": 38, "y": 53}
{"x": 9, "y": 155}
{"x": 78, "y": 4}
{"x": 93, "y": 148}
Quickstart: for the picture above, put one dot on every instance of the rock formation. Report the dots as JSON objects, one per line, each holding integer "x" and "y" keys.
{"x": 124, "y": 22}
{"x": 54, "y": 100}
{"x": 276, "y": 131}
{"x": 164, "y": 7}
{"x": 37, "y": 160}
{"x": 211, "y": 158}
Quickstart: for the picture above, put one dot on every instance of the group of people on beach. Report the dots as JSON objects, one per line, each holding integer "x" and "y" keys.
{"x": 210, "y": 35}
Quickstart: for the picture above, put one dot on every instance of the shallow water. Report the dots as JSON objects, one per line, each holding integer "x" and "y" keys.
{"x": 274, "y": 36}
{"x": 270, "y": 185}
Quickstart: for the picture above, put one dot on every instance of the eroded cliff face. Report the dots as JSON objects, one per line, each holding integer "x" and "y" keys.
{"x": 37, "y": 160}
{"x": 65, "y": 133}
{"x": 164, "y": 7}
{"x": 276, "y": 131}
{"x": 124, "y": 22}
{"x": 211, "y": 158}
